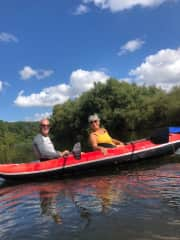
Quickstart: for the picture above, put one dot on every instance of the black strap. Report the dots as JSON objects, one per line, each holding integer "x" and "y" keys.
{"x": 43, "y": 159}
{"x": 106, "y": 145}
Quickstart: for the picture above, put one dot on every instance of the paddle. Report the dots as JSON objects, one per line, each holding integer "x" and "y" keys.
{"x": 160, "y": 135}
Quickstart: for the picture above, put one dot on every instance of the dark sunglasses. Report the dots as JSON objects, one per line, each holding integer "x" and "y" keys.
{"x": 45, "y": 125}
{"x": 95, "y": 121}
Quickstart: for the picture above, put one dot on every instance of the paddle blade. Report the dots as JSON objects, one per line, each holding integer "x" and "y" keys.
{"x": 160, "y": 136}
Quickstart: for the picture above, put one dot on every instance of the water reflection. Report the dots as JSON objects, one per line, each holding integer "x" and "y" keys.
{"x": 48, "y": 203}
{"x": 120, "y": 202}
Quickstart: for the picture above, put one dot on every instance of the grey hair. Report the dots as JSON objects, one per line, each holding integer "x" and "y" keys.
{"x": 93, "y": 117}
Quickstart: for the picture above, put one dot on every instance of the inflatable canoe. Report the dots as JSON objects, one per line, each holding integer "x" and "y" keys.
{"x": 162, "y": 142}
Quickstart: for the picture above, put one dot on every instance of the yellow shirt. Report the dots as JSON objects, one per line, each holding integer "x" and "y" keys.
{"x": 104, "y": 138}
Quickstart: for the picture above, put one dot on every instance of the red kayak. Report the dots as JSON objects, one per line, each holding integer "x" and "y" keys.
{"x": 133, "y": 151}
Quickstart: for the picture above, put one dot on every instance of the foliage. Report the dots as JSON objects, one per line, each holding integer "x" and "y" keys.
{"x": 16, "y": 141}
{"x": 121, "y": 107}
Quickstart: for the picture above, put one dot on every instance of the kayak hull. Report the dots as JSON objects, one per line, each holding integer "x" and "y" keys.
{"x": 133, "y": 151}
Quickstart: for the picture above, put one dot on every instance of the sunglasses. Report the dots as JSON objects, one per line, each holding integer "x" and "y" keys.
{"x": 95, "y": 121}
{"x": 45, "y": 125}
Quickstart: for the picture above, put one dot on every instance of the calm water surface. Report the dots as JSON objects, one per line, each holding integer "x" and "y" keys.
{"x": 138, "y": 203}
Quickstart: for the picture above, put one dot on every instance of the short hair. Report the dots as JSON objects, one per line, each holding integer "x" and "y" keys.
{"x": 42, "y": 120}
{"x": 93, "y": 117}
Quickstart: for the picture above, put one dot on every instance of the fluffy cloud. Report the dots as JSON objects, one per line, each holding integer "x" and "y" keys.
{"x": 7, "y": 37}
{"x": 120, "y": 5}
{"x": 47, "y": 97}
{"x": 28, "y": 72}
{"x": 131, "y": 46}
{"x": 80, "y": 81}
{"x": 161, "y": 69}
{"x": 38, "y": 116}
{"x": 81, "y": 9}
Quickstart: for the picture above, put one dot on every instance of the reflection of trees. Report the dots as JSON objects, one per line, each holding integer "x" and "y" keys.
{"x": 84, "y": 205}
{"x": 76, "y": 202}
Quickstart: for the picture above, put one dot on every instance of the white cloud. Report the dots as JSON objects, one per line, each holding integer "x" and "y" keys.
{"x": 131, "y": 46}
{"x": 47, "y": 97}
{"x": 120, "y": 5}
{"x": 7, "y": 37}
{"x": 1, "y": 86}
{"x": 38, "y": 116}
{"x": 161, "y": 69}
{"x": 28, "y": 72}
{"x": 80, "y": 81}
{"x": 81, "y": 9}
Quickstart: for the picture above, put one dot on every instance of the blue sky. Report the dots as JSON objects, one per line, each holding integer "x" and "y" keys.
{"x": 51, "y": 51}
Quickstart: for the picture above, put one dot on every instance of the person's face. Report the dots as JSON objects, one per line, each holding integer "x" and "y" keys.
{"x": 44, "y": 127}
{"x": 94, "y": 124}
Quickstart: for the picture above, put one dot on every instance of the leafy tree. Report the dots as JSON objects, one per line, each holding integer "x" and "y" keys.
{"x": 14, "y": 139}
{"x": 122, "y": 107}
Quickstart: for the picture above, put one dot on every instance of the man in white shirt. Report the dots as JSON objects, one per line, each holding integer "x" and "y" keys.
{"x": 43, "y": 146}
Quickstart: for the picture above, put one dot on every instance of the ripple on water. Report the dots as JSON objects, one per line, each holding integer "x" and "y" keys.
{"x": 119, "y": 203}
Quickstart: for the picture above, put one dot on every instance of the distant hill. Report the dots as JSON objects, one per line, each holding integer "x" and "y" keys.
{"x": 16, "y": 140}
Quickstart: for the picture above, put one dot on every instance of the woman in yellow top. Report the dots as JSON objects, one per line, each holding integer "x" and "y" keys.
{"x": 99, "y": 137}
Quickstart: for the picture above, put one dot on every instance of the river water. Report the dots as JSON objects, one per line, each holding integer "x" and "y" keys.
{"x": 140, "y": 201}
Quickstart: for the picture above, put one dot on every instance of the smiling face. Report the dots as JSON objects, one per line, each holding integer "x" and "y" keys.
{"x": 95, "y": 124}
{"x": 44, "y": 127}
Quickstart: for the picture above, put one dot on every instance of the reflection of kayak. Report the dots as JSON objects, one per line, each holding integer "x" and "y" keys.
{"x": 162, "y": 142}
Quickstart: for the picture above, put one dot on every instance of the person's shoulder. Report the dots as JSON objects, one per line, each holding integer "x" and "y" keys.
{"x": 92, "y": 134}
{"x": 37, "y": 137}
{"x": 104, "y": 130}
